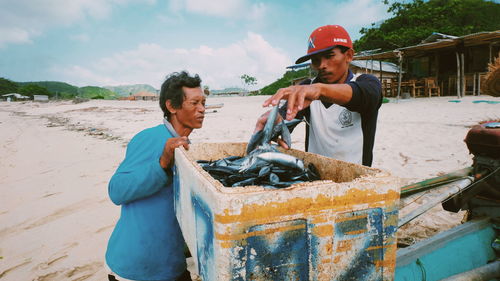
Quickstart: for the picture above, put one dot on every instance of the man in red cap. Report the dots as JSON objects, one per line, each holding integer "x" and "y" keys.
{"x": 340, "y": 109}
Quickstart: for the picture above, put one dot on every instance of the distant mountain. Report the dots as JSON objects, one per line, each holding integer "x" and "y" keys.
{"x": 54, "y": 87}
{"x": 127, "y": 90}
{"x": 93, "y": 92}
{"x": 228, "y": 91}
{"x": 68, "y": 91}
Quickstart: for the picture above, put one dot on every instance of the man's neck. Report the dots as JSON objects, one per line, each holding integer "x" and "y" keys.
{"x": 181, "y": 130}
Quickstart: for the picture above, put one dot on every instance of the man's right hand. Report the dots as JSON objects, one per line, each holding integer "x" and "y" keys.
{"x": 298, "y": 97}
{"x": 261, "y": 123}
{"x": 167, "y": 157}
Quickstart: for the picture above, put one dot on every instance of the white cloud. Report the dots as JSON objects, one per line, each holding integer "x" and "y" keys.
{"x": 82, "y": 37}
{"x": 222, "y": 8}
{"x": 355, "y": 13}
{"x": 231, "y": 9}
{"x": 14, "y": 35}
{"x": 218, "y": 67}
{"x": 366, "y": 11}
{"x": 21, "y": 20}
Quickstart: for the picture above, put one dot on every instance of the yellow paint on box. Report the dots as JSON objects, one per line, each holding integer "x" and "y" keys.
{"x": 350, "y": 218}
{"x": 336, "y": 259}
{"x": 320, "y": 219}
{"x": 356, "y": 232}
{"x": 323, "y": 230}
{"x": 378, "y": 247}
{"x": 308, "y": 206}
{"x": 390, "y": 264}
{"x": 344, "y": 246}
{"x": 329, "y": 247}
{"x": 241, "y": 236}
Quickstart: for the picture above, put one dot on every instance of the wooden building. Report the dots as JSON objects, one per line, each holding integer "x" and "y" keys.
{"x": 15, "y": 97}
{"x": 141, "y": 96}
{"x": 442, "y": 64}
{"x": 384, "y": 70}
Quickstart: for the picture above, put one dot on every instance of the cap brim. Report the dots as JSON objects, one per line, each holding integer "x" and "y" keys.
{"x": 308, "y": 56}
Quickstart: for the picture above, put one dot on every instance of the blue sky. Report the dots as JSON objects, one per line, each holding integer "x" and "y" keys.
{"x": 117, "y": 42}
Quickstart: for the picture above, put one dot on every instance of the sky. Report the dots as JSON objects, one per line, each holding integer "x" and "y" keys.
{"x": 123, "y": 42}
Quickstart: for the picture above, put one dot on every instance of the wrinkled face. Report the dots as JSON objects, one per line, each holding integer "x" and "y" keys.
{"x": 192, "y": 111}
{"x": 332, "y": 65}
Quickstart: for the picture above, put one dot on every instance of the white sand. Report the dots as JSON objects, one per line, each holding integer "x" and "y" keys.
{"x": 56, "y": 160}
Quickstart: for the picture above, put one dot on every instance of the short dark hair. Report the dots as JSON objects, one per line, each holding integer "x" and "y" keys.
{"x": 171, "y": 89}
{"x": 343, "y": 49}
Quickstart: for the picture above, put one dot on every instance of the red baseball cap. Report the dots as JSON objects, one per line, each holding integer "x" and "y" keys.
{"x": 325, "y": 38}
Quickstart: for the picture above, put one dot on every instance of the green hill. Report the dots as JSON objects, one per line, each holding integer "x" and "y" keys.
{"x": 92, "y": 92}
{"x": 7, "y": 86}
{"x": 60, "y": 88}
{"x": 63, "y": 90}
{"x": 126, "y": 90}
{"x": 284, "y": 81}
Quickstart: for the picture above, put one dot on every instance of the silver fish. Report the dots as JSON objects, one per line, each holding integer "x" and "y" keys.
{"x": 282, "y": 129}
{"x": 282, "y": 159}
{"x": 263, "y": 137}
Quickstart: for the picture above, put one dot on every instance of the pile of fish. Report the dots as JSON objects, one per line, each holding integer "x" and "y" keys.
{"x": 264, "y": 164}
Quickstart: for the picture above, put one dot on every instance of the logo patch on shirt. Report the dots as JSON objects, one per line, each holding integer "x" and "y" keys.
{"x": 345, "y": 118}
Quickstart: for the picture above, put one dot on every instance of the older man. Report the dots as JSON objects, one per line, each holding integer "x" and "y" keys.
{"x": 147, "y": 242}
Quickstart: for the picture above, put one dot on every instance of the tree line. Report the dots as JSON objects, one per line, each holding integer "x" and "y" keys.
{"x": 413, "y": 21}
{"x": 53, "y": 89}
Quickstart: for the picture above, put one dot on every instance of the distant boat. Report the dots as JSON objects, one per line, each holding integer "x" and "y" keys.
{"x": 214, "y": 106}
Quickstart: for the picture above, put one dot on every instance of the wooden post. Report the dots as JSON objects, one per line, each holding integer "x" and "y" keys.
{"x": 474, "y": 84}
{"x": 458, "y": 75}
{"x": 380, "y": 65}
{"x": 491, "y": 51}
{"x": 478, "y": 84}
{"x": 462, "y": 74}
{"x": 400, "y": 58}
{"x": 436, "y": 62}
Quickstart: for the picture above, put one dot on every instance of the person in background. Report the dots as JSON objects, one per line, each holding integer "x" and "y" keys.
{"x": 147, "y": 243}
{"x": 340, "y": 109}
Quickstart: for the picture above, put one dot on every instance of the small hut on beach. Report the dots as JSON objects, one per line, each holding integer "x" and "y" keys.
{"x": 145, "y": 96}
{"x": 14, "y": 97}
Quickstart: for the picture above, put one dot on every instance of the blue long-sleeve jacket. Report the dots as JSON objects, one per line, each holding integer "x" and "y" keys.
{"x": 147, "y": 242}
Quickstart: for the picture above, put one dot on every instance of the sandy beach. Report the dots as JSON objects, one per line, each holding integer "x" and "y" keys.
{"x": 56, "y": 159}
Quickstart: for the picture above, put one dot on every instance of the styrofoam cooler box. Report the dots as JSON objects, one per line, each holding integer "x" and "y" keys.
{"x": 340, "y": 228}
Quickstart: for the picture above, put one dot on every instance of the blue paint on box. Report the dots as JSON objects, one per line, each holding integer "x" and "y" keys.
{"x": 205, "y": 238}
{"x": 362, "y": 228}
{"x": 281, "y": 252}
{"x": 176, "y": 186}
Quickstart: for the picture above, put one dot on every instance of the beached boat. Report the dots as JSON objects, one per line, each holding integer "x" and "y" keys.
{"x": 468, "y": 251}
